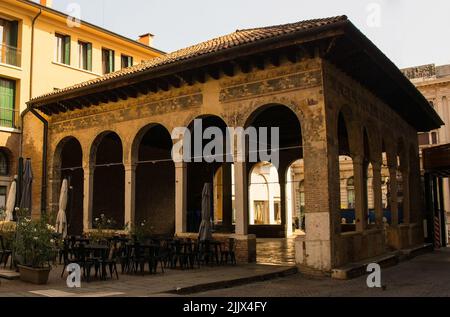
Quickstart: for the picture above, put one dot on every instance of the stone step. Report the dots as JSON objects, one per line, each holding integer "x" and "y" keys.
{"x": 407, "y": 254}
{"x": 357, "y": 269}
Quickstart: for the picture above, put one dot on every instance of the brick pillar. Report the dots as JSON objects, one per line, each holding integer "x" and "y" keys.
{"x": 360, "y": 194}
{"x": 88, "y": 197}
{"x": 130, "y": 194}
{"x": 180, "y": 197}
{"x": 377, "y": 193}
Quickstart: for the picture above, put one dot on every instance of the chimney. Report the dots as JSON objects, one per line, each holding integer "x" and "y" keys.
{"x": 146, "y": 39}
{"x": 47, "y": 3}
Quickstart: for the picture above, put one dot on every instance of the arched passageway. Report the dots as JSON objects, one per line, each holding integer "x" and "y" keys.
{"x": 213, "y": 168}
{"x": 69, "y": 167}
{"x": 155, "y": 174}
{"x": 282, "y": 150}
{"x": 109, "y": 180}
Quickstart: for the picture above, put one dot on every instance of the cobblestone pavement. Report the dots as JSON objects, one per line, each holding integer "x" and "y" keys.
{"x": 426, "y": 275}
{"x": 139, "y": 285}
{"x": 276, "y": 251}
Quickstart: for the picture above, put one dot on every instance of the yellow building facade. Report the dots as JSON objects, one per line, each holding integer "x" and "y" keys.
{"x": 42, "y": 50}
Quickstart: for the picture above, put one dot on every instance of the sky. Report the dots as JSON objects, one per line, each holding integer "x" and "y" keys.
{"x": 409, "y": 32}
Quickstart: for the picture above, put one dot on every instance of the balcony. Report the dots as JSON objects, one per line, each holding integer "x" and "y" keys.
{"x": 9, "y": 118}
{"x": 10, "y": 55}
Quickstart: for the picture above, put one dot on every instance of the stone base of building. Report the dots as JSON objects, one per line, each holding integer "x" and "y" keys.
{"x": 357, "y": 246}
{"x": 317, "y": 257}
{"x": 245, "y": 244}
{"x": 404, "y": 236}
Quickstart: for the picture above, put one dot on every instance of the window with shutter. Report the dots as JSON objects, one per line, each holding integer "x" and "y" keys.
{"x": 108, "y": 61}
{"x": 7, "y": 103}
{"x": 62, "y": 54}
{"x": 85, "y": 55}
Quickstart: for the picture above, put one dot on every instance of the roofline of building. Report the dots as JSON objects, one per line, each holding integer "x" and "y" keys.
{"x": 343, "y": 27}
{"x": 99, "y": 28}
{"x": 221, "y": 55}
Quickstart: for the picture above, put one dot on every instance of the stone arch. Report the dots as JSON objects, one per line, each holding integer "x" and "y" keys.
{"x": 154, "y": 200}
{"x": 290, "y": 145}
{"x": 97, "y": 141}
{"x": 201, "y": 170}
{"x": 106, "y": 160}
{"x": 137, "y": 138}
{"x": 67, "y": 163}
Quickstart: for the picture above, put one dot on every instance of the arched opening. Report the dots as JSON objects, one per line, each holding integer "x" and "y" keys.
{"x": 109, "y": 181}
{"x": 155, "y": 174}
{"x": 414, "y": 184}
{"x": 264, "y": 195}
{"x": 210, "y": 163}
{"x": 400, "y": 189}
{"x": 295, "y": 197}
{"x": 223, "y": 197}
{"x": 4, "y": 163}
{"x": 267, "y": 122}
{"x": 69, "y": 166}
{"x": 385, "y": 185}
{"x": 369, "y": 206}
{"x": 346, "y": 178}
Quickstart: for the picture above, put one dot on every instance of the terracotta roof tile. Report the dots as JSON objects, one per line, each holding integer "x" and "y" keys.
{"x": 237, "y": 38}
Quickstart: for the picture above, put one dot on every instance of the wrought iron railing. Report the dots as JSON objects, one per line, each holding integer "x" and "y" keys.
{"x": 9, "y": 118}
{"x": 10, "y": 55}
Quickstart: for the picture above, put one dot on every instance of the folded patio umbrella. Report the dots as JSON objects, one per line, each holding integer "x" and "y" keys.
{"x": 61, "y": 219}
{"x": 25, "y": 202}
{"x": 205, "y": 232}
{"x": 11, "y": 202}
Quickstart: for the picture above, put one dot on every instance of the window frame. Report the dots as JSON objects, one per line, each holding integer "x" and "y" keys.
{"x": 62, "y": 54}
{"x": 111, "y": 61}
{"x": 85, "y": 52}
{"x": 129, "y": 60}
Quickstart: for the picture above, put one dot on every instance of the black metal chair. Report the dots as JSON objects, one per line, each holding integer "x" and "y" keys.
{"x": 5, "y": 254}
{"x": 229, "y": 252}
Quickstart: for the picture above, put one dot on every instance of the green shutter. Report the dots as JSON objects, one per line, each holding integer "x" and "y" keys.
{"x": 12, "y": 38}
{"x": 7, "y": 95}
{"x": 111, "y": 61}
{"x": 130, "y": 61}
{"x": 89, "y": 56}
{"x": 67, "y": 50}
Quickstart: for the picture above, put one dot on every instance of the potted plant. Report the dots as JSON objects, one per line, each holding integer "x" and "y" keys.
{"x": 34, "y": 248}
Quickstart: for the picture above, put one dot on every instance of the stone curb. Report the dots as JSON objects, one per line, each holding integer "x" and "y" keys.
{"x": 233, "y": 282}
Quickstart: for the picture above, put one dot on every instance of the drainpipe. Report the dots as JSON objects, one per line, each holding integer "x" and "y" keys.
{"x": 42, "y": 119}
{"x": 44, "y": 159}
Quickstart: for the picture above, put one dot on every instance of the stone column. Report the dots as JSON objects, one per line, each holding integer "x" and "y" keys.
{"x": 180, "y": 197}
{"x": 88, "y": 197}
{"x": 406, "y": 197}
{"x": 227, "y": 208}
{"x": 393, "y": 195}
{"x": 377, "y": 194}
{"x": 285, "y": 223}
{"x": 360, "y": 194}
{"x": 241, "y": 198}
{"x": 130, "y": 194}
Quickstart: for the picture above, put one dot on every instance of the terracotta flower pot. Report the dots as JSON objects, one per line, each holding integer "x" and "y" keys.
{"x": 33, "y": 275}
